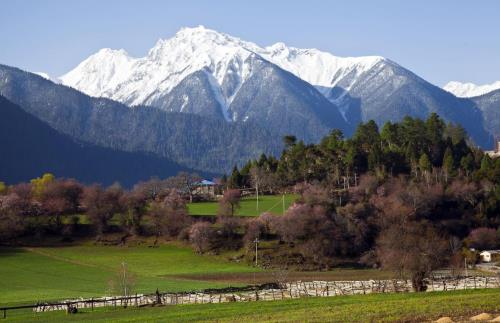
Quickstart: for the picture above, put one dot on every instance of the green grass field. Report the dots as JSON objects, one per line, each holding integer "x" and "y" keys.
{"x": 248, "y": 205}
{"x": 361, "y": 308}
{"x": 29, "y": 275}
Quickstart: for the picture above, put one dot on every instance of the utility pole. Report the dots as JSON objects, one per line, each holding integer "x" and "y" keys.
{"x": 256, "y": 241}
{"x": 257, "y": 189}
{"x": 465, "y": 261}
{"x": 124, "y": 278}
{"x": 283, "y": 204}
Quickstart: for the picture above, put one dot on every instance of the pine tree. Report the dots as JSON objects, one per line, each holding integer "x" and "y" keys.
{"x": 425, "y": 166}
{"x": 424, "y": 163}
{"x": 467, "y": 163}
{"x": 235, "y": 179}
{"x": 448, "y": 163}
{"x": 486, "y": 164}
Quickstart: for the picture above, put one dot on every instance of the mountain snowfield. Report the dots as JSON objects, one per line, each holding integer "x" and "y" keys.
{"x": 305, "y": 92}
{"x": 469, "y": 90}
{"x": 141, "y": 81}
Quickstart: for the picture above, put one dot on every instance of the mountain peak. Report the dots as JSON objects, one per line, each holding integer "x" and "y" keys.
{"x": 136, "y": 81}
{"x": 468, "y": 90}
{"x": 112, "y": 52}
{"x": 199, "y": 43}
{"x": 108, "y": 67}
{"x": 279, "y": 46}
{"x": 190, "y": 31}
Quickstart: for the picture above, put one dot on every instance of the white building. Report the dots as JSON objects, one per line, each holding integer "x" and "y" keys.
{"x": 494, "y": 153}
{"x": 489, "y": 255}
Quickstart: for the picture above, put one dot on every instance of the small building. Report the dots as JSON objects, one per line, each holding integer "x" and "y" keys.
{"x": 207, "y": 188}
{"x": 496, "y": 152}
{"x": 489, "y": 255}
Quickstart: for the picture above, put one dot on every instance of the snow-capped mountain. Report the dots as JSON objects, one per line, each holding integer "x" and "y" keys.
{"x": 114, "y": 74}
{"x": 143, "y": 81}
{"x": 205, "y": 72}
{"x": 469, "y": 90}
{"x": 208, "y": 73}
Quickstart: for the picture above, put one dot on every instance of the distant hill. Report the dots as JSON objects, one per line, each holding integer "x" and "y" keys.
{"x": 29, "y": 148}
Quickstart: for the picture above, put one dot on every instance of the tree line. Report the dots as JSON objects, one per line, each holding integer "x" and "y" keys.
{"x": 415, "y": 147}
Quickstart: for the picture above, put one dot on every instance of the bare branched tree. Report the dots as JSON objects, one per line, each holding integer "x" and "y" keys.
{"x": 123, "y": 281}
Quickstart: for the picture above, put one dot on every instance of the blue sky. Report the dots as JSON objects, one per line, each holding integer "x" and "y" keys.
{"x": 439, "y": 40}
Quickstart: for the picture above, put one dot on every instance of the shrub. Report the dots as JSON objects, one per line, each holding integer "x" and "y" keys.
{"x": 201, "y": 236}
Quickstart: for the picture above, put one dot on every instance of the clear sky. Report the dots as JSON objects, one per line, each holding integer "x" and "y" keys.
{"x": 439, "y": 40}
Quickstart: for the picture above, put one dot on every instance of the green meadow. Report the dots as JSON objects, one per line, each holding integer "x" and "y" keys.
{"x": 248, "y": 205}
{"x": 28, "y": 275}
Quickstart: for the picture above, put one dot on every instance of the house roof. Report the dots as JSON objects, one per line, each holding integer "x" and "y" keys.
{"x": 206, "y": 182}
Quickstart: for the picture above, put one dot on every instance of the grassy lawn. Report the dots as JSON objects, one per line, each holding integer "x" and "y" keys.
{"x": 267, "y": 203}
{"x": 29, "y": 275}
{"x": 361, "y": 308}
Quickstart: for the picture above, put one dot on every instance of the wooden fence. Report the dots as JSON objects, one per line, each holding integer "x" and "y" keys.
{"x": 266, "y": 292}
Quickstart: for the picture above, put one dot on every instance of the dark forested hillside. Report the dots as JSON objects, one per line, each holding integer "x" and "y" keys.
{"x": 490, "y": 106}
{"x": 209, "y": 144}
{"x": 28, "y": 148}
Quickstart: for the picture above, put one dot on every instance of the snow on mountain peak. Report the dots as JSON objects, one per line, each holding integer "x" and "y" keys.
{"x": 114, "y": 74}
{"x": 43, "y": 74}
{"x": 100, "y": 72}
{"x": 48, "y": 77}
{"x": 317, "y": 67}
{"x": 468, "y": 90}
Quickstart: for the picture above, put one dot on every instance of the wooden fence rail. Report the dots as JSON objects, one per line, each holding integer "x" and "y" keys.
{"x": 265, "y": 292}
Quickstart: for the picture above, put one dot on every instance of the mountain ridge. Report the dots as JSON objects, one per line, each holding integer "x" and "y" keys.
{"x": 470, "y": 90}
{"x": 358, "y": 88}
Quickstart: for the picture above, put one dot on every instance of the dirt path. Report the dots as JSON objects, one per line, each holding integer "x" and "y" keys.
{"x": 74, "y": 262}
{"x": 265, "y": 277}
